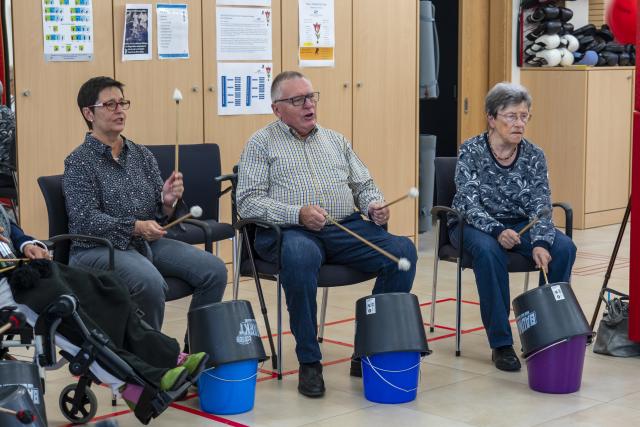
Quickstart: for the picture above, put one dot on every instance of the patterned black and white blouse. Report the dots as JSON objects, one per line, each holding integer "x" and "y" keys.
{"x": 491, "y": 196}
{"x": 7, "y": 139}
{"x": 106, "y": 196}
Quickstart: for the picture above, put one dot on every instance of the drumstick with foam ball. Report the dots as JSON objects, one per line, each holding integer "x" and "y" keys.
{"x": 412, "y": 193}
{"x": 403, "y": 263}
{"x": 24, "y": 416}
{"x": 177, "y": 97}
{"x": 194, "y": 212}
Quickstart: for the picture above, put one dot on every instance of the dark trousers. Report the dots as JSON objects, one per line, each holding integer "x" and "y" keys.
{"x": 489, "y": 260}
{"x": 304, "y": 251}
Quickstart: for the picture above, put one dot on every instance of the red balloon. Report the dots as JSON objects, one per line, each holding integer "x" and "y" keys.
{"x": 621, "y": 17}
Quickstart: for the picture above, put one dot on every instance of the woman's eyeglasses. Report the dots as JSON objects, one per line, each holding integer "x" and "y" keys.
{"x": 112, "y": 105}
{"x": 511, "y": 118}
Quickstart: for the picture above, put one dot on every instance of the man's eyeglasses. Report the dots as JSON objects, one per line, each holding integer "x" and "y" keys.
{"x": 297, "y": 101}
{"x": 112, "y": 105}
{"x": 511, "y": 118}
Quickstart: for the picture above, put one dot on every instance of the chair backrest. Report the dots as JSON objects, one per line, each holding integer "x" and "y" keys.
{"x": 445, "y": 186}
{"x": 200, "y": 164}
{"x": 51, "y": 187}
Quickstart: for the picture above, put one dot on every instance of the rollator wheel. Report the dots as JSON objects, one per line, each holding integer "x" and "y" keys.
{"x": 85, "y": 411}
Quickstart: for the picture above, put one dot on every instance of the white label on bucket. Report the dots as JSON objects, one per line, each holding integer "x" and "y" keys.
{"x": 34, "y": 392}
{"x": 557, "y": 292}
{"x": 371, "y": 305}
{"x": 526, "y": 320}
{"x": 248, "y": 329}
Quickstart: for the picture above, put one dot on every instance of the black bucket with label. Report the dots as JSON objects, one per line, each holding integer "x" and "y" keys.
{"x": 548, "y": 314}
{"x": 227, "y": 331}
{"x": 25, "y": 374}
{"x": 17, "y": 398}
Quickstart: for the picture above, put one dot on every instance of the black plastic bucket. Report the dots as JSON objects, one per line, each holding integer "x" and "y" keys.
{"x": 17, "y": 398}
{"x": 227, "y": 331}
{"x": 389, "y": 323}
{"x": 548, "y": 314}
{"x": 14, "y": 373}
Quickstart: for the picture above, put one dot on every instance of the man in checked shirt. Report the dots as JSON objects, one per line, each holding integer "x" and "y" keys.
{"x": 293, "y": 172}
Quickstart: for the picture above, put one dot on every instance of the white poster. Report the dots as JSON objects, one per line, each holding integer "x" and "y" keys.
{"x": 243, "y": 33}
{"x": 244, "y": 88}
{"x": 317, "y": 33}
{"x": 173, "y": 31}
{"x": 264, "y": 3}
{"x": 138, "y": 27}
{"x": 67, "y": 30}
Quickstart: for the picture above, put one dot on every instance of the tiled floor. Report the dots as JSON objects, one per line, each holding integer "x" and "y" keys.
{"x": 454, "y": 391}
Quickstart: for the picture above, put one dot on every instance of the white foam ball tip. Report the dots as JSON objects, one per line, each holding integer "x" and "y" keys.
{"x": 177, "y": 95}
{"x": 414, "y": 192}
{"x": 404, "y": 264}
{"x": 196, "y": 211}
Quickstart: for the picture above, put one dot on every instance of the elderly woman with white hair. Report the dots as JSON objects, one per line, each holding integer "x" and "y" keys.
{"x": 502, "y": 185}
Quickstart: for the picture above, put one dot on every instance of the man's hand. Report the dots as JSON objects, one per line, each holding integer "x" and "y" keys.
{"x": 509, "y": 238}
{"x": 172, "y": 189}
{"x": 378, "y": 214}
{"x": 149, "y": 230}
{"x": 542, "y": 258}
{"x": 32, "y": 251}
{"x": 313, "y": 217}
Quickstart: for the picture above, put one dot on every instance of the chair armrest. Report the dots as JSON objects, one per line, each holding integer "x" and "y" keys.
{"x": 100, "y": 240}
{"x": 568, "y": 217}
{"x": 442, "y": 210}
{"x": 208, "y": 234}
{"x": 239, "y": 225}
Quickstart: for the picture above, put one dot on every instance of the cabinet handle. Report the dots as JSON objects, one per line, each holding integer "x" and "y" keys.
{"x": 211, "y": 89}
{"x": 345, "y": 85}
{"x": 26, "y": 92}
{"x": 195, "y": 88}
{"x": 466, "y": 105}
{"x": 359, "y": 84}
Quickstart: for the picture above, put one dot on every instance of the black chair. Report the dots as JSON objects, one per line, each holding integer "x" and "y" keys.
{"x": 445, "y": 189}
{"x": 251, "y": 265}
{"x": 51, "y": 187}
{"x": 200, "y": 164}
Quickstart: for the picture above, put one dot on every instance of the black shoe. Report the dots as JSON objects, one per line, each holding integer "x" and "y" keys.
{"x": 356, "y": 367}
{"x": 505, "y": 358}
{"x": 310, "y": 382}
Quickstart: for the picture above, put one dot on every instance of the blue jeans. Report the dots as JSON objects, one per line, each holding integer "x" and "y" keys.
{"x": 143, "y": 275}
{"x": 304, "y": 251}
{"x": 489, "y": 261}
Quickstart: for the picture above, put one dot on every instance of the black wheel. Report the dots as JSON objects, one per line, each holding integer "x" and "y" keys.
{"x": 84, "y": 411}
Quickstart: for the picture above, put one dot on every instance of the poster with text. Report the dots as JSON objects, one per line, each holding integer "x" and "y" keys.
{"x": 263, "y": 3}
{"x": 173, "y": 31}
{"x": 67, "y": 30}
{"x": 136, "y": 41}
{"x": 316, "y": 31}
{"x": 244, "y": 88}
{"x": 243, "y": 33}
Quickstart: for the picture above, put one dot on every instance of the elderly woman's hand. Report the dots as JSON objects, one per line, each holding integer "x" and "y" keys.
{"x": 149, "y": 230}
{"x": 509, "y": 238}
{"x": 542, "y": 258}
{"x": 32, "y": 251}
{"x": 172, "y": 189}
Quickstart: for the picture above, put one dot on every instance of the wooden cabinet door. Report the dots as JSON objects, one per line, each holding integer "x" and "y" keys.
{"x": 385, "y": 132}
{"x": 333, "y": 83}
{"x": 49, "y": 124}
{"x": 610, "y": 102}
{"x": 150, "y": 84}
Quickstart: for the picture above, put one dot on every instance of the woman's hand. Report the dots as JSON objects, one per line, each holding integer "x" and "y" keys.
{"x": 172, "y": 190}
{"x": 542, "y": 258}
{"x": 148, "y": 230}
{"x": 508, "y": 239}
{"x": 32, "y": 251}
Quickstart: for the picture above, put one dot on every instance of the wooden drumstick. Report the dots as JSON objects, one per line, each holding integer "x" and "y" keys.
{"x": 413, "y": 193}
{"x": 195, "y": 212}
{"x": 177, "y": 97}
{"x": 403, "y": 263}
{"x": 544, "y": 273}
{"x": 544, "y": 212}
{"x": 24, "y": 416}
{"x": 14, "y": 259}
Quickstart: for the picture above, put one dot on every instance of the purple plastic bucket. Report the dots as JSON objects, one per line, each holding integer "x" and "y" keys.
{"x": 558, "y": 368}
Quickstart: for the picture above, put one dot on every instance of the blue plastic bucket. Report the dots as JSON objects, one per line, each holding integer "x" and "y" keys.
{"x": 229, "y": 388}
{"x": 391, "y": 377}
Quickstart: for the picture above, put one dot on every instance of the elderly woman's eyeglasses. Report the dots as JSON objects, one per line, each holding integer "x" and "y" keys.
{"x": 297, "y": 101}
{"x": 112, "y": 105}
{"x": 512, "y": 118}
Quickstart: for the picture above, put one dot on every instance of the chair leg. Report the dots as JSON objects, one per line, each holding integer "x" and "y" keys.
{"x": 458, "y": 307}
{"x": 218, "y": 249}
{"x": 279, "y": 327}
{"x": 323, "y": 313}
{"x": 526, "y": 281}
{"x": 235, "y": 265}
{"x": 432, "y": 319}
